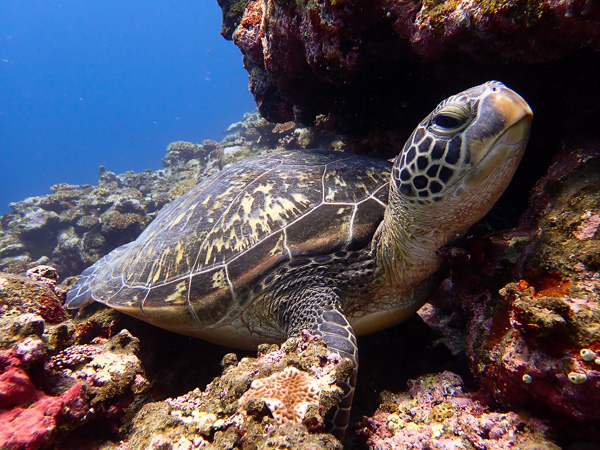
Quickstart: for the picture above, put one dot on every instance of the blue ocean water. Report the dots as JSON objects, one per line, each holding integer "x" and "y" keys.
{"x": 112, "y": 83}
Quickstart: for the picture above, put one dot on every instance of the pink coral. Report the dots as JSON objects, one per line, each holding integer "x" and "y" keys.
{"x": 588, "y": 227}
{"x": 72, "y": 357}
{"x": 530, "y": 358}
{"x": 30, "y": 417}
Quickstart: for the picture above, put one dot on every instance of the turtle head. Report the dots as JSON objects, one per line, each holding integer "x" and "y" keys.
{"x": 461, "y": 157}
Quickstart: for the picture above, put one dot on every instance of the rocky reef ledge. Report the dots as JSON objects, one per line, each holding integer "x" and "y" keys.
{"x": 365, "y": 69}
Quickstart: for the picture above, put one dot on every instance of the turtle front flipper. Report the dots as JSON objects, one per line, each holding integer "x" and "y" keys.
{"x": 319, "y": 312}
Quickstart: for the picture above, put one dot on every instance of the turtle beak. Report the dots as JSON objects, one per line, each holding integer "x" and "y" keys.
{"x": 511, "y": 106}
{"x": 515, "y": 115}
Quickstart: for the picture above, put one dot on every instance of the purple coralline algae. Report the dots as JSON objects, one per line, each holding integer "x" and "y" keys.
{"x": 437, "y": 413}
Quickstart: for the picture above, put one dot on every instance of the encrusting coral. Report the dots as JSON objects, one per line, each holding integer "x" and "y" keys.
{"x": 287, "y": 394}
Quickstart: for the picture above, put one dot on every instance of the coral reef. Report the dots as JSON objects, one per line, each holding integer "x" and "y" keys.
{"x": 437, "y": 412}
{"x": 30, "y": 419}
{"x": 74, "y": 226}
{"x": 279, "y": 397}
{"x": 21, "y": 296}
{"x": 287, "y": 394}
{"x": 530, "y": 298}
{"x": 54, "y": 377}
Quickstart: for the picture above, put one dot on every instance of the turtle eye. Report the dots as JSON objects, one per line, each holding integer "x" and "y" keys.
{"x": 451, "y": 118}
{"x": 446, "y": 121}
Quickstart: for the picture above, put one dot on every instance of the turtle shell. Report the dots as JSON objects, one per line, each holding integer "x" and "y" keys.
{"x": 207, "y": 252}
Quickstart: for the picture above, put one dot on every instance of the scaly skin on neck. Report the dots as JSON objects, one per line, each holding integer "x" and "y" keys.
{"x": 406, "y": 251}
{"x": 406, "y": 256}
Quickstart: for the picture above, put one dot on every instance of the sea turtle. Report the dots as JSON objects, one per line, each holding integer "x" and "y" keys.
{"x": 334, "y": 243}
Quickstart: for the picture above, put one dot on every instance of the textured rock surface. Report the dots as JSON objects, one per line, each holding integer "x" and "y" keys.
{"x": 437, "y": 412}
{"x": 58, "y": 376}
{"x": 553, "y": 313}
{"x": 365, "y": 69}
{"x": 531, "y": 299}
{"x": 232, "y": 413}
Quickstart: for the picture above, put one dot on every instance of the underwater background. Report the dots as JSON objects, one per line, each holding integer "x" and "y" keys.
{"x": 110, "y": 83}
{"x": 505, "y": 354}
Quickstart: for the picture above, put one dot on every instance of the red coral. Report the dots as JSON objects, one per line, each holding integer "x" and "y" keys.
{"x": 15, "y": 386}
{"x": 546, "y": 284}
{"x": 51, "y": 309}
{"x": 28, "y": 416}
{"x": 249, "y": 33}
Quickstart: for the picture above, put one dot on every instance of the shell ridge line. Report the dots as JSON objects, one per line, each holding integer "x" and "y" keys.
{"x": 188, "y": 302}
{"x": 229, "y": 283}
{"x": 143, "y": 302}
{"x": 285, "y": 243}
{"x": 156, "y": 268}
{"x": 351, "y": 223}
{"x": 323, "y": 184}
{"x": 180, "y": 278}
{"x": 373, "y": 197}
{"x": 227, "y": 317}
